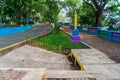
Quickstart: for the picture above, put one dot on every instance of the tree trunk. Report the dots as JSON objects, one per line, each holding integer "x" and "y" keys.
{"x": 98, "y": 15}
{"x": 19, "y": 13}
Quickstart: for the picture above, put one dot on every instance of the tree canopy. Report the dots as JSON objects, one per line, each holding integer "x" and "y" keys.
{"x": 91, "y": 12}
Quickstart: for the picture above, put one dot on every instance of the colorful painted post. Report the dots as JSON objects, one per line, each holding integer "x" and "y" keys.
{"x": 75, "y": 32}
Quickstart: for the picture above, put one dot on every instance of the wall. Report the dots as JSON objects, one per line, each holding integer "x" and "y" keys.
{"x": 106, "y": 34}
{"x": 7, "y": 31}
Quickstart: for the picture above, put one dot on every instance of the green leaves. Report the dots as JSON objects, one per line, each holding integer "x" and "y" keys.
{"x": 51, "y": 11}
{"x": 113, "y": 7}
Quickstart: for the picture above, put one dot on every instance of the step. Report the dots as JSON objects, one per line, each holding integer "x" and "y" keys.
{"x": 70, "y": 79}
{"x": 67, "y": 75}
{"x": 21, "y": 73}
{"x": 76, "y": 75}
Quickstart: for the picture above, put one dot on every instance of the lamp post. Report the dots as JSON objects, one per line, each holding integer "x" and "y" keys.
{"x": 75, "y": 32}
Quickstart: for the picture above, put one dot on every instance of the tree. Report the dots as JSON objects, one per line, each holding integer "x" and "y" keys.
{"x": 98, "y": 7}
{"x": 112, "y": 13}
{"x": 86, "y": 15}
{"x": 70, "y": 7}
{"x": 52, "y": 10}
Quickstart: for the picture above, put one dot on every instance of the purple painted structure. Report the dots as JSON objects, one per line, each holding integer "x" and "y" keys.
{"x": 116, "y": 35}
{"x": 75, "y": 39}
{"x": 75, "y": 36}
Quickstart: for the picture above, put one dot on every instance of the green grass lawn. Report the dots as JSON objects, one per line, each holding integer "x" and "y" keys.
{"x": 62, "y": 39}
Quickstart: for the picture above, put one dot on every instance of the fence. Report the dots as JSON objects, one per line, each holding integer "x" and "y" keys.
{"x": 106, "y": 34}
{"x": 110, "y": 35}
{"x": 92, "y": 30}
{"x": 77, "y": 61}
{"x": 116, "y": 36}
{"x": 46, "y": 46}
{"x": 32, "y": 40}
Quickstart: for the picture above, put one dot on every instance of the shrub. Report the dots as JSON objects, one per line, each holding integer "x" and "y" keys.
{"x": 21, "y": 22}
{"x": 111, "y": 27}
{"x": 56, "y": 29}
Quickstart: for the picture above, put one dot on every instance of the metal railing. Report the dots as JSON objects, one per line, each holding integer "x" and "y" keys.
{"x": 77, "y": 61}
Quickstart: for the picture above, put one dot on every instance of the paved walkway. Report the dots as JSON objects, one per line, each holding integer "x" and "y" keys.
{"x": 14, "y": 38}
{"x": 21, "y": 73}
{"x": 33, "y": 57}
{"x": 98, "y": 64}
{"x": 109, "y": 48}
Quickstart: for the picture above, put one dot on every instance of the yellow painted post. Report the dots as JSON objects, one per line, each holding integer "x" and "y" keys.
{"x": 32, "y": 42}
{"x": 60, "y": 49}
{"x": 29, "y": 42}
{"x": 53, "y": 48}
{"x": 75, "y": 19}
{"x": 41, "y": 45}
{"x": 35, "y": 43}
{"x": 44, "y": 45}
{"x": 79, "y": 61}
